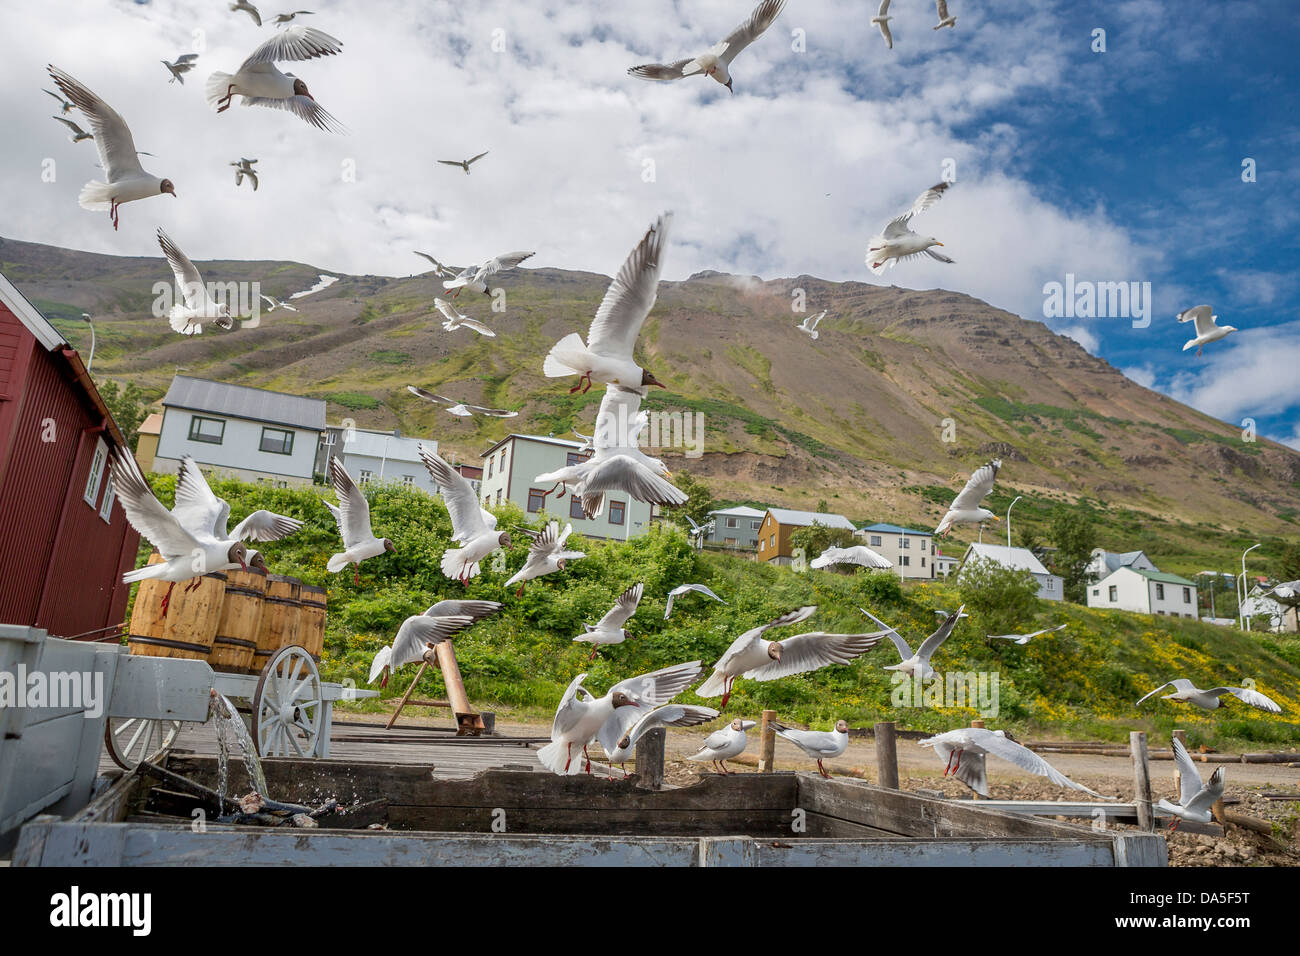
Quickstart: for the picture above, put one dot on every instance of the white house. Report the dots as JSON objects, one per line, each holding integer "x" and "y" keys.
{"x": 944, "y": 565}
{"x": 512, "y": 465}
{"x": 1282, "y": 618}
{"x": 1145, "y": 592}
{"x": 378, "y": 456}
{"x": 1104, "y": 562}
{"x": 912, "y": 552}
{"x": 249, "y": 433}
{"x": 736, "y": 527}
{"x": 1050, "y": 587}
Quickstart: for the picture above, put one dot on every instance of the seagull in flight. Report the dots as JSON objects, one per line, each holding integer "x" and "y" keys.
{"x": 966, "y": 506}
{"x": 261, "y": 83}
{"x": 78, "y": 134}
{"x": 275, "y": 303}
{"x": 1026, "y": 638}
{"x": 462, "y": 409}
{"x": 1196, "y": 798}
{"x": 474, "y": 278}
{"x": 1207, "y": 330}
{"x": 1185, "y": 692}
{"x": 609, "y": 629}
{"x": 438, "y": 268}
{"x": 283, "y": 18}
{"x": 809, "y": 325}
{"x": 473, "y": 527}
{"x": 197, "y": 305}
{"x": 182, "y": 66}
{"x": 717, "y": 62}
{"x": 944, "y": 19}
{"x": 245, "y": 168}
{"x": 464, "y": 163}
{"x": 897, "y": 241}
{"x": 917, "y": 664}
{"x": 881, "y": 20}
{"x": 353, "y": 518}
{"x": 65, "y": 106}
{"x": 683, "y": 589}
{"x": 457, "y": 319}
{"x": 953, "y": 745}
{"x": 247, "y": 8}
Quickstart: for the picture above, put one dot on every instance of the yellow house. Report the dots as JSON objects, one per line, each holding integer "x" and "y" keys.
{"x": 779, "y": 523}
{"x": 146, "y": 446}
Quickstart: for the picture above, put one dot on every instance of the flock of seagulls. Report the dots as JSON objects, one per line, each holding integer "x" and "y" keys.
{"x": 882, "y": 18}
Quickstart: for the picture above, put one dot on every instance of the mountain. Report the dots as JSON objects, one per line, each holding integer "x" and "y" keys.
{"x": 856, "y": 418}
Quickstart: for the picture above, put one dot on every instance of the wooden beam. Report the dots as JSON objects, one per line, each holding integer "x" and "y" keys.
{"x": 650, "y": 759}
{"x": 886, "y": 755}
{"x": 1141, "y": 781}
{"x": 468, "y": 721}
{"x": 407, "y": 696}
{"x": 767, "y": 742}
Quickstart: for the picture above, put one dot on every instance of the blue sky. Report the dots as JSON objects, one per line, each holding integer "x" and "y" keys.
{"x": 1123, "y": 165}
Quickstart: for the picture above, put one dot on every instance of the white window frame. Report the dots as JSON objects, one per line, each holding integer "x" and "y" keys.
{"x": 98, "y": 467}
{"x": 106, "y": 506}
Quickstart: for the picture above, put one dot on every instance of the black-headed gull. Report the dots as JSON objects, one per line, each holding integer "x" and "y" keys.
{"x": 261, "y": 83}
{"x": 918, "y": 664}
{"x": 818, "y": 744}
{"x": 474, "y": 528}
{"x": 897, "y": 240}
{"x": 619, "y": 737}
{"x": 608, "y": 355}
{"x": 416, "y": 636}
{"x": 461, "y": 409}
{"x": 127, "y": 179}
{"x": 196, "y": 306}
{"x": 809, "y": 324}
{"x": 717, "y": 62}
{"x": 859, "y": 554}
{"x": 546, "y": 555}
{"x": 464, "y": 164}
{"x": 881, "y": 20}
{"x": 722, "y": 745}
{"x": 353, "y": 517}
{"x": 474, "y": 278}
{"x": 581, "y": 715}
{"x": 1197, "y": 799}
{"x": 457, "y": 319}
{"x": 451, "y": 612}
{"x": 1026, "y": 638}
{"x": 245, "y": 168}
{"x": 183, "y": 65}
{"x": 944, "y": 20}
{"x": 189, "y": 554}
{"x": 1207, "y": 330}
{"x": 683, "y": 589}
{"x": 951, "y": 746}
{"x": 275, "y": 303}
{"x": 65, "y": 106}
{"x": 248, "y": 8}
{"x": 438, "y": 268}
{"x": 199, "y": 510}
{"x": 609, "y": 629}
{"x": 78, "y": 134}
{"x": 1185, "y": 692}
{"x": 282, "y": 18}
{"x": 965, "y": 508}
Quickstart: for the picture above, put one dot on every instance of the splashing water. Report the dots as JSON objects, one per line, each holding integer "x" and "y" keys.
{"x": 229, "y": 722}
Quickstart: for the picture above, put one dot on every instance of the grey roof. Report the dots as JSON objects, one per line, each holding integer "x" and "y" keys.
{"x": 805, "y": 519}
{"x": 242, "y": 401}
{"x": 740, "y": 511}
{"x": 1120, "y": 559}
{"x": 1020, "y": 559}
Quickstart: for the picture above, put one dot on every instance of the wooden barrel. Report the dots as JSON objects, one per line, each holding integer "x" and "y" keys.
{"x": 281, "y": 615}
{"x": 311, "y": 627}
{"x": 190, "y": 624}
{"x": 234, "y": 645}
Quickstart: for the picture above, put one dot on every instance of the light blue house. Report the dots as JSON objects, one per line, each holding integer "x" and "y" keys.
{"x": 378, "y": 456}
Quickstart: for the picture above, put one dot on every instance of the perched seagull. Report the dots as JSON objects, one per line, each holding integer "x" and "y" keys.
{"x": 473, "y": 528}
{"x": 438, "y": 267}
{"x": 1025, "y": 638}
{"x": 682, "y": 589}
{"x": 944, "y": 19}
{"x": 717, "y": 62}
{"x": 464, "y": 163}
{"x": 249, "y": 9}
{"x": 951, "y": 746}
{"x": 609, "y": 629}
{"x": 858, "y": 554}
{"x": 474, "y": 278}
{"x": 881, "y": 20}
{"x": 353, "y": 518}
{"x": 608, "y": 355}
{"x": 245, "y": 168}
{"x": 183, "y": 65}
{"x": 65, "y": 106}
{"x": 457, "y": 319}
{"x": 127, "y": 179}
{"x": 283, "y": 18}
{"x": 1185, "y": 692}
{"x": 461, "y": 409}
{"x": 918, "y": 665}
{"x": 196, "y": 306}
{"x": 581, "y": 716}
{"x": 669, "y": 715}
{"x": 1197, "y": 798}
{"x": 898, "y": 241}
{"x": 818, "y": 744}
{"x": 965, "y": 508}
{"x": 260, "y": 83}
{"x": 722, "y": 745}
{"x": 275, "y": 303}
{"x": 546, "y": 555}
{"x": 1206, "y": 329}
{"x": 78, "y": 134}
{"x": 189, "y": 555}
{"x": 809, "y": 324}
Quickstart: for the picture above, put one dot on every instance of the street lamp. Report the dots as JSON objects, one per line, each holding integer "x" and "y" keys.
{"x": 1241, "y": 592}
{"x": 91, "y": 360}
{"x": 1009, "y": 507}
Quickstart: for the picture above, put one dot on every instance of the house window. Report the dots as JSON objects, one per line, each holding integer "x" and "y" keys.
{"x": 771, "y": 541}
{"x": 731, "y": 522}
{"x": 277, "y": 441}
{"x": 761, "y": 544}
{"x": 1187, "y": 595}
{"x": 875, "y": 540}
{"x": 1051, "y": 584}
{"x": 1114, "y": 593}
{"x": 499, "y": 491}
{"x": 575, "y": 458}
{"x": 491, "y": 461}
{"x": 363, "y": 477}
{"x": 503, "y": 459}
{"x": 616, "y": 509}
{"x": 923, "y": 562}
{"x": 1160, "y": 592}
{"x": 97, "y": 463}
{"x": 1096, "y": 592}
{"x": 210, "y": 430}
{"x": 408, "y": 481}
{"x": 904, "y": 543}
{"x": 575, "y": 507}
{"x": 106, "y": 507}
{"x": 754, "y": 525}
{"x": 905, "y": 561}
{"x": 536, "y": 500}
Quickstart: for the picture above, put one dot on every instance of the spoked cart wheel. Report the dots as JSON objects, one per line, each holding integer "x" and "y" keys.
{"x": 132, "y": 739}
{"x": 287, "y": 706}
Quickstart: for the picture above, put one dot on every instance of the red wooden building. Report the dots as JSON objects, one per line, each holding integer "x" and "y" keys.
{"x": 64, "y": 541}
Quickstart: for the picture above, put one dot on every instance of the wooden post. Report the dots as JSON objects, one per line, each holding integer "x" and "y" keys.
{"x": 886, "y": 755}
{"x": 407, "y": 696}
{"x": 1181, "y": 736}
{"x": 978, "y": 725}
{"x": 767, "y": 742}
{"x": 650, "y": 759}
{"x": 468, "y": 722}
{"x": 1142, "y": 781}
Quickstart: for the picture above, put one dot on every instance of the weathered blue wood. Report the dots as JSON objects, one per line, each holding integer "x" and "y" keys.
{"x": 727, "y": 851}
{"x": 161, "y": 688}
{"x": 941, "y": 852}
{"x": 1141, "y": 849}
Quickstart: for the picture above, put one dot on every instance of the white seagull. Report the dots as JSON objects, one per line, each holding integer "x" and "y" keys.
{"x": 608, "y": 355}
{"x": 473, "y": 528}
{"x": 609, "y": 629}
{"x": 461, "y": 409}
{"x": 245, "y": 168}
{"x": 546, "y": 555}
{"x": 196, "y": 306}
{"x": 717, "y": 62}
{"x": 353, "y": 518}
{"x": 859, "y": 554}
{"x": 438, "y": 268}
{"x": 619, "y": 740}
{"x": 200, "y": 511}
{"x": 283, "y": 18}
{"x": 1025, "y": 638}
{"x": 248, "y": 8}
{"x": 261, "y": 83}
{"x": 464, "y": 163}
{"x": 450, "y": 613}
{"x": 944, "y": 20}
{"x": 127, "y": 179}
{"x": 65, "y": 106}
{"x": 78, "y": 134}
{"x": 965, "y": 508}
{"x": 818, "y": 744}
{"x": 682, "y": 589}
{"x": 898, "y": 241}
{"x": 581, "y": 715}
{"x": 457, "y": 319}
{"x": 1197, "y": 798}
{"x": 950, "y": 748}
{"x": 722, "y": 745}
{"x": 1185, "y": 692}
{"x": 183, "y": 65}
{"x": 474, "y": 278}
{"x": 809, "y": 325}
{"x": 881, "y": 20}
{"x": 1206, "y": 329}
{"x": 275, "y": 303}
{"x": 918, "y": 664}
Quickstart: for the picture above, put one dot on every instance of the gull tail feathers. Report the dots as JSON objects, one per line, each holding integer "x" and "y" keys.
{"x": 337, "y": 562}
{"x": 95, "y": 195}
{"x": 567, "y": 357}
{"x": 453, "y": 564}
{"x": 555, "y": 755}
{"x": 715, "y": 685}
{"x": 146, "y": 573}
{"x": 179, "y": 318}
{"x": 215, "y": 88}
